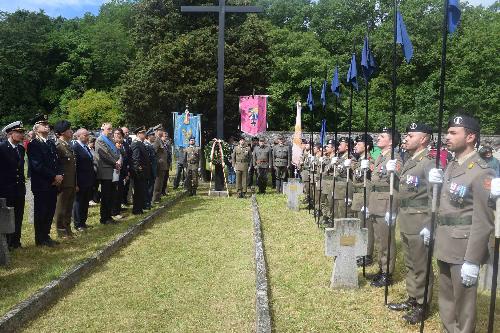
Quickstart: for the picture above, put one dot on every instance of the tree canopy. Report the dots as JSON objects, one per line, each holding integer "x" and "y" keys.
{"x": 139, "y": 60}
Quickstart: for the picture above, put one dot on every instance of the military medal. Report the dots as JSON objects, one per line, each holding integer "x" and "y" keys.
{"x": 457, "y": 193}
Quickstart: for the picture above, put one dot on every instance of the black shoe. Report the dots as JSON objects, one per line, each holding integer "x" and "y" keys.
{"x": 415, "y": 316}
{"x": 384, "y": 280}
{"x": 407, "y": 305}
{"x": 137, "y": 212}
{"x": 368, "y": 261}
{"x": 375, "y": 276}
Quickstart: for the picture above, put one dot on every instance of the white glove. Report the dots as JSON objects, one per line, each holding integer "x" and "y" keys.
{"x": 347, "y": 163}
{"x": 199, "y": 169}
{"x": 436, "y": 176}
{"x": 367, "y": 212}
{"x": 321, "y": 159}
{"x": 311, "y": 158}
{"x": 495, "y": 187}
{"x": 335, "y": 159}
{"x": 426, "y": 235}
{"x": 349, "y": 201}
{"x": 365, "y": 164}
{"x": 391, "y": 165}
{"x": 389, "y": 223}
{"x": 469, "y": 273}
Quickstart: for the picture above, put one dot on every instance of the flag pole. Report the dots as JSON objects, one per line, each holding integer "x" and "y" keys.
{"x": 436, "y": 187}
{"x": 393, "y": 135}
{"x": 365, "y": 172}
{"x": 335, "y": 135}
{"x": 323, "y": 102}
{"x": 349, "y": 146}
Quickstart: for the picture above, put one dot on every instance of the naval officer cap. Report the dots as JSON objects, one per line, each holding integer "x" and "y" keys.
{"x": 465, "y": 122}
{"x": 140, "y": 129}
{"x": 15, "y": 126}
{"x": 62, "y": 126}
{"x": 150, "y": 131}
{"x": 419, "y": 127}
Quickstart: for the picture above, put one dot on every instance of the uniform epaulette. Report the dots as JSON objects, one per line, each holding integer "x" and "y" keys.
{"x": 482, "y": 163}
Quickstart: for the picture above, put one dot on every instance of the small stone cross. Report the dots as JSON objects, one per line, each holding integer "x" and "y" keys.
{"x": 6, "y": 227}
{"x": 345, "y": 242}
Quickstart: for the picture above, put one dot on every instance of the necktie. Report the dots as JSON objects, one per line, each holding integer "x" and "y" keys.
{"x": 88, "y": 151}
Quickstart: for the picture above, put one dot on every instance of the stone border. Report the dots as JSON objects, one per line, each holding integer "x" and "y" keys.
{"x": 29, "y": 309}
{"x": 263, "y": 315}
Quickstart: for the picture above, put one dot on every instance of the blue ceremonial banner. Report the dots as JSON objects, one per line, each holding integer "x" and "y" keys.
{"x": 323, "y": 94}
{"x": 323, "y": 133}
{"x": 403, "y": 38}
{"x": 353, "y": 73}
{"x": 186, "y": 125}
{"x": 310, "y": 101}
{"x": 336, "y": 83}
{"x": 453, "y": 15}
{"x": 368, "y": 64}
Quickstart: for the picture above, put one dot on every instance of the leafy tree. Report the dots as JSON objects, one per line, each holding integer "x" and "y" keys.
{"x": 93, "y": 109}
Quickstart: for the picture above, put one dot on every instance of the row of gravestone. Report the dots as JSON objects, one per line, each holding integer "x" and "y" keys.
{"x": 348, "y": 240}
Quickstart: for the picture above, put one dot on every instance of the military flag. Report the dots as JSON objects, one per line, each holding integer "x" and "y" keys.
{"x": 297, "y": 137}
{"x": 454, "y": 14}
{"x": 185, "y": 126}
{"x": 402, "y": 37}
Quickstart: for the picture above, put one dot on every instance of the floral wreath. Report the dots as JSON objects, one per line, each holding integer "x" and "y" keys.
{"x": 217, "y": 151}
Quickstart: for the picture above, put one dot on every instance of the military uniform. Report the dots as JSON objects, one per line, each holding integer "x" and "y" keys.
{"x": 341, "y": 183}
{"x": 281, "y": 161}
{"x": 150, "y": 182}
{"x": 358, "y": 202}
{"x": 12, "y": 181}
{"x": 305, "y": 166}
{"x": 66, "y": 195}
{"x": 43, "y": 167}
{"x": 162, "y": 158}
{"x": 465, "y": 223}
{"x": 141, "y": 171}
{"x": 262, "y": 162}
{"x": 240, "y": 159}
{"x": 378, "y": 206}
{"x": 192, "y": 156}
{"x": 324, "y": 187}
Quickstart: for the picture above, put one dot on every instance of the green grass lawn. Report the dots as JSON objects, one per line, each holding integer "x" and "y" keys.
{"x": 299, "y": 274}
{"x": 192, "y": 271}
{"x": 33, "y": 267}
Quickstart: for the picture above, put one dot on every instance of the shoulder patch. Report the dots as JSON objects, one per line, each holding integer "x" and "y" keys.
{"x": 482, "y": 163}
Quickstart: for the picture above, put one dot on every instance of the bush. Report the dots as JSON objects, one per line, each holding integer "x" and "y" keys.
{"x": 93, "y": 109}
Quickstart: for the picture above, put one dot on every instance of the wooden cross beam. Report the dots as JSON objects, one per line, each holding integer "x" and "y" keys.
{"x": 222, "y": 9}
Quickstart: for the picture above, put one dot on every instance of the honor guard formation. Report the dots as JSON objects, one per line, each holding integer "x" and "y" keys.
{"x": 383, "y": 181}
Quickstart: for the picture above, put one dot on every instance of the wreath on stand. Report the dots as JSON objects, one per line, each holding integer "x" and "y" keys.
{"x": 217, "y": 153}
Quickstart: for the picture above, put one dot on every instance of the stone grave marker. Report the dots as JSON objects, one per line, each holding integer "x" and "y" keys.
{"x": 345, "y": 242}
{"x": 6, "y": 227}
{"x": 293, "y": 194}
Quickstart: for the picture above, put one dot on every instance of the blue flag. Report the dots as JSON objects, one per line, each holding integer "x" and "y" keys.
{"x": 323, "y": 94}
{"x": 335, "y": 82}
{"x": 310, "y": 101}
{"x": 453, "y": 15}
{"x": 186, "y": 126}
{"x": 403, "y": 38}
{"x": 368, "y": 64}
{"x": 322, "y": 135}
{"x": 353, "y": 73}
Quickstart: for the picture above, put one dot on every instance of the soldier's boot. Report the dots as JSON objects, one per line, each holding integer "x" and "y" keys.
{"x": 62, "y": 233}
{"x": 240, "y": 195}
{"x": 407, "y": 305}
{"x": 416, "y": 315}
{"x": 243, "y": 194}
{"x": 384, "y": 280}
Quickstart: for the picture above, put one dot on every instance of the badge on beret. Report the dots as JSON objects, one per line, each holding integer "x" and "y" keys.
{"x": 487, "y": 184}
{"x": 458, "y": 120}
{"x": 413, "y": 126}
{"x": 471, "y": 165}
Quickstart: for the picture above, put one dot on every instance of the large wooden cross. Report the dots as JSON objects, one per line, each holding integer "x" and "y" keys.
{"x": 222, "y": 9}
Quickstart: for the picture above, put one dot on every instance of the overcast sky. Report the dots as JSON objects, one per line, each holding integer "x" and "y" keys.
{"x": 73, "y": 8}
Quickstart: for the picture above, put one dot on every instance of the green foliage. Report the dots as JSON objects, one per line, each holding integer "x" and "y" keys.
{"x": 157, "y": 59}
{"x": 93, "y": 109}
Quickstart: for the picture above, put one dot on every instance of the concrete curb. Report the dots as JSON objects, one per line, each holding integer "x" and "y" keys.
{"x": 33, "y": 306}
{"x": 263, "y": 320}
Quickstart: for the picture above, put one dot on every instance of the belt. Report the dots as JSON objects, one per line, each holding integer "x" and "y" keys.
{"x": 414, "y": 203}
{"x": 327, "y": 177}
{"x": 242, "y": 161}
{"x": 380, "y": 188}
{"x": 262, "y": 161}
{"x": 449, "y": 220}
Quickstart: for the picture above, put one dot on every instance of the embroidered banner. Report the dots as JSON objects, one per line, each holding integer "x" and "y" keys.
{"x": 186, "y": 125}
{"x": 297, "y": 138}
{"x": 253, "y": 112}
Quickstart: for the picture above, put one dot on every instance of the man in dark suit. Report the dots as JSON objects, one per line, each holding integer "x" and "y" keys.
{"x": 126, "y": 153}
{"x": 85, "y": 176}
{"x": 46, "y": 176}
{"x": 108, "y": 159}
{"x": 12, "y": 182}
{"x": 150, "y": 182}
{"x": 140, "y": 169}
